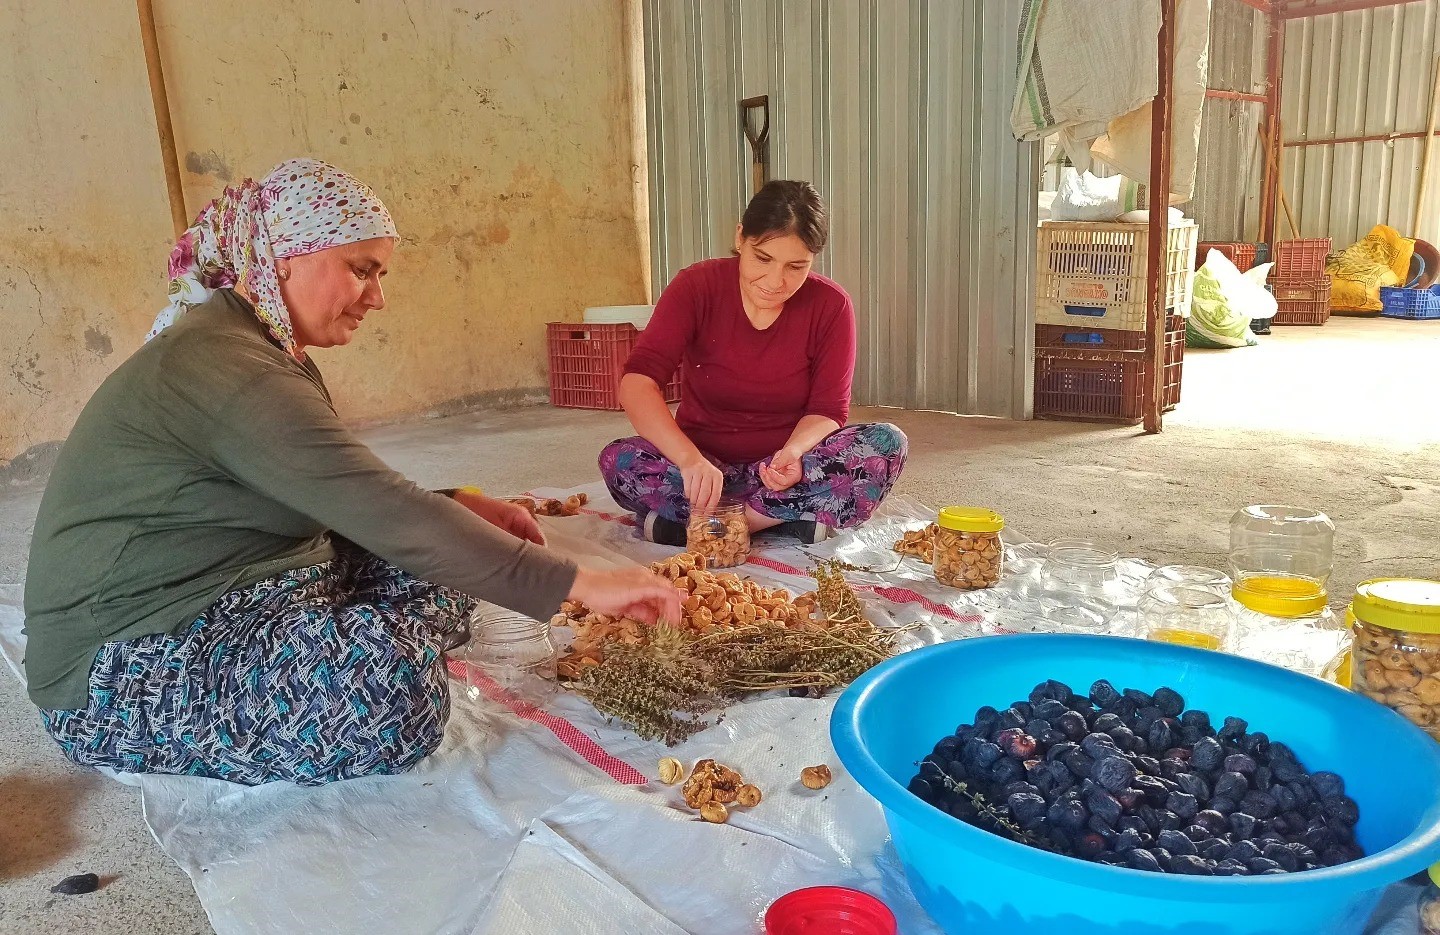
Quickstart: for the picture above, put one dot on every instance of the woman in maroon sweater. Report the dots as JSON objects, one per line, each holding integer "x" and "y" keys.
{"x": 768, "y": 354}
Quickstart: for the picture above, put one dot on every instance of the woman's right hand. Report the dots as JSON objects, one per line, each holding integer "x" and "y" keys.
{"x": 628, "y": 592}
{"x": 704, "y": 483}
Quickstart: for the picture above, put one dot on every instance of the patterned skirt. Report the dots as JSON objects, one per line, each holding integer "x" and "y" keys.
{"x": 844, "y": 478}
{"x": 327, "y": 672}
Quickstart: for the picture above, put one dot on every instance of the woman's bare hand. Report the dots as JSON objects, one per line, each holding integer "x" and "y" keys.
{"x": 783, "y": 472}
{"x": 704, "y": 483}
{"x": 628, "y": 592}
{"x": 511, "y": 517}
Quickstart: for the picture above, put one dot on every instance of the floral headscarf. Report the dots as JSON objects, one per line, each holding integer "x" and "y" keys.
{"x": 302, "y": 206}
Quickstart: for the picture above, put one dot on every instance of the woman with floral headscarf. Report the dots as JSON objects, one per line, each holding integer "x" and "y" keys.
{"x": 223, "y": 580}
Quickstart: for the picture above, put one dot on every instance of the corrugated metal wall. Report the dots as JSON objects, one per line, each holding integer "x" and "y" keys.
{"x": 1228, "y": 177}
{"x": 898, "y": 111}
{"x": 1359, "y": 74}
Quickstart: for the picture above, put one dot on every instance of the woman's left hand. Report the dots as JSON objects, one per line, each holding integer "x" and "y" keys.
{"x": 511, "y": 517}
{"x": 783, "y": 472}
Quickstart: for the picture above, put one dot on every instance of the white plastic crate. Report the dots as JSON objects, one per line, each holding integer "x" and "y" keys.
{"x": 1092, "y": 275}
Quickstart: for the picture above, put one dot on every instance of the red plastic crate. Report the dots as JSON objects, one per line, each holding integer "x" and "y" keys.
{"x": 1300, "y": 260}
{"x": 1302, "y": 303}
{"x": 1069, "y": 386}
{"x": 587, "y": 362}
{"x": 1241, "y": 254}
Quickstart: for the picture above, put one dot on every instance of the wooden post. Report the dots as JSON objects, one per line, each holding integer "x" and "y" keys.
{"x": 1272, "y": 167}
{"x": 1159, "y": 239}
{"x": 1425, "y": 159}
{"x": 178, "y": 215}
{"x": 1270, "y": 195}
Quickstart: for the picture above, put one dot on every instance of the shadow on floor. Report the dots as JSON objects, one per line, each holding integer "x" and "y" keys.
{"x": 36, "y": 821}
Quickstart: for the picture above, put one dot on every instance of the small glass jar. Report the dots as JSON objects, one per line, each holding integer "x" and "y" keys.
{"x": 1280, "y": 559}
{"x": 1186, "y": 616}
{"x": 968, "y": 551}
{"x": 1396, "y": 646}
{"x": 1430, "y": 904}
{"x": 722, "y": 535}
{"x": 1189, "y": 576}
{"x": 510, "y": 657}
{"x": 1080, "y": 569}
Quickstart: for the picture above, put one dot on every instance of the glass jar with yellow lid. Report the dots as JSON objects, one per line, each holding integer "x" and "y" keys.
{"x": 1280, "y": 560}
{"x": 1186, "y": 615}
{"x": 1396, "y": 646}
{"x": 968, "y": 552}
{"x": 1430, "y": 903}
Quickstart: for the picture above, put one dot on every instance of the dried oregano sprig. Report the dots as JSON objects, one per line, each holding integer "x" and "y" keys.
{"x": 664, "y": 688}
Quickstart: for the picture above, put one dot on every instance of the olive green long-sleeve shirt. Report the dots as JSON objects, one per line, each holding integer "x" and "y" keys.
{"x": 210, "y": 460}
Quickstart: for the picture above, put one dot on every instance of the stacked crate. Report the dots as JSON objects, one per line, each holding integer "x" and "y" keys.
{"x": 1091, "y": 348}
{"x": 1302, "y": 289}
{"x": 1241, "y": 254}
{"x": 587, "y": 361}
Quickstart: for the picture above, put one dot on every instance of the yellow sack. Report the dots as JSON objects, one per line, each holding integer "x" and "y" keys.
{"x": 1358, "y": 271}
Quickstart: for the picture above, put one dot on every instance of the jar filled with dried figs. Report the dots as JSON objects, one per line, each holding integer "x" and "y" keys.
{"x": 1430, "y": 903}
{"x": 968, "y": 553}
{"x": 722, "y": 536}
{"x": 1396, "y": 649}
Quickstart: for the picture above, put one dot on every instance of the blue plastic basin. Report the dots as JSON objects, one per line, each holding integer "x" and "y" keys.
{"x": 972, "y": 881}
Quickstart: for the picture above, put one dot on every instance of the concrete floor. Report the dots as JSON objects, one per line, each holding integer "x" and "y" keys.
{"x": 1341, "y": 418}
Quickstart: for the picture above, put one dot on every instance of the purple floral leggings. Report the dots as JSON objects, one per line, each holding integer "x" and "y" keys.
{"x": 845, "y": 478}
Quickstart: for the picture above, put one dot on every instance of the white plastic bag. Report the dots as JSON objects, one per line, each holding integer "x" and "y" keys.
{"x": 1259, "y": 301}
{"x": 1083, "y": 197}
{"x": 1224, "y": 303}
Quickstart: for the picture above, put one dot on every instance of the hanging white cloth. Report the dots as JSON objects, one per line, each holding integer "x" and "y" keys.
{"x": 1089, "y": 71}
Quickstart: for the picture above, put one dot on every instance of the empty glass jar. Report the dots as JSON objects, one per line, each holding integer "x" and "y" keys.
{"x": 509, "y": 658}
{"x": 1187, "y": 616}
{"x": 1190, "y": 576}
{"x": 1080, "y": 568}
{"x": 1280, "y": 560}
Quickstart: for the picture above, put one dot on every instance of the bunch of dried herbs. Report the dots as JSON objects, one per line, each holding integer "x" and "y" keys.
{"x": 665, "y": 688}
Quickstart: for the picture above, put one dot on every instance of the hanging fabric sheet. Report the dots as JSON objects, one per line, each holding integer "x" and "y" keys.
{"x": 1087, "y": 72}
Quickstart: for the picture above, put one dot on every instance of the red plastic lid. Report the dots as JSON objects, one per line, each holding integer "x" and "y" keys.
{"x": 829, "y": 910}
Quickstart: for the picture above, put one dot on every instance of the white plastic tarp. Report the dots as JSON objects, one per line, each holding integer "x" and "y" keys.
{"x": 529, "y": 821}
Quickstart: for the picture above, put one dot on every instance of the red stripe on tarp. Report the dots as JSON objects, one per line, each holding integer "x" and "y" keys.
{"x": 567, "y": 733}
{"x": 623, "y": 519}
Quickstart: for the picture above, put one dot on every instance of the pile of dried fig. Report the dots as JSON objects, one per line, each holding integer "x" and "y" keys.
{"x": 711, "y": 788}
{"x": 712, "y": 602}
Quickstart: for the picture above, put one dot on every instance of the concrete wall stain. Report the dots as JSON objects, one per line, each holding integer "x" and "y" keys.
{"x": 209, "y": 163}
{"x": 506, "y": 159}
{"x": 98, "y": 342}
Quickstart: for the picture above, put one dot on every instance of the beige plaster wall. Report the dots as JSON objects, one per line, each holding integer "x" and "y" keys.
{"x": 84, "y": 226}
{"x": 505, "y": 137}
